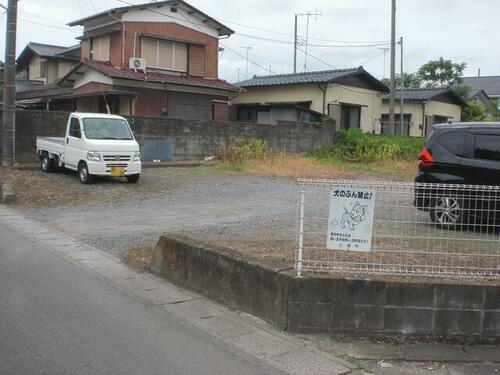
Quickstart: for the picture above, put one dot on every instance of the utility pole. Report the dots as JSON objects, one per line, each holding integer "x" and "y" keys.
{"x": 401, "y": 101}
{"x": 393, "y": 68}
{"x": 9, "y": 90}
{"x": 295, "y": 46}
{"x": 308, "y": 14}
{"x": 246, "y": 72}
{"x": 385, "y": 49}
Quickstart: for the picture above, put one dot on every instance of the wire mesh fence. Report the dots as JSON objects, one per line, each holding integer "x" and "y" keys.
{"x": 403, "y": 229}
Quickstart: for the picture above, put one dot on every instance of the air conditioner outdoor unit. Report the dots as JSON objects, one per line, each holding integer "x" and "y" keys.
{"x": 137, "y": 63}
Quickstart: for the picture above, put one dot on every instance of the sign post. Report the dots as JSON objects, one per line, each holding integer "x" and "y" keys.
{"x": 350, "y": 220}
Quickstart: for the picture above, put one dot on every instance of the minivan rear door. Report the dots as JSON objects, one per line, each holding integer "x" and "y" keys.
{"x": 481, "y": 162}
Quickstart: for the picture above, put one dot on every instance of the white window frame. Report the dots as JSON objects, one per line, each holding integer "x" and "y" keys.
{"x": 148, "y": 65}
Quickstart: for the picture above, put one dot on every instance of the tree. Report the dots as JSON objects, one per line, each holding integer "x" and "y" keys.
{"x": 411, "y": 81}
{"x": 441, "y": 72}
{"x": 474, "y": 112}
{"x": 462, "y": 90}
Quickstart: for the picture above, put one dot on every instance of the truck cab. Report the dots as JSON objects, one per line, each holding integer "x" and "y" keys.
{"x": 94, "y": 145}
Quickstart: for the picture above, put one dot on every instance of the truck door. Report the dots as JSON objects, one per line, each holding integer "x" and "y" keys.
{"x": 73, "y": 143}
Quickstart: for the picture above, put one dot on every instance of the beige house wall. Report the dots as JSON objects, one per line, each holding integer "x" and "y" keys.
{"x": 64, "y": 68}
{"x": 432, "y": 108}
{"x": 51, "y": 71}
{"x": 370, "y": 100}
{"x": 34, "y": 69}
{"x": 285, "y": 93}
{"x": 55, "y": 69}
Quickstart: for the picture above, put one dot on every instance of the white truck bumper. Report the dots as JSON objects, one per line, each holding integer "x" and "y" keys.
{"x": 104, "y": 168}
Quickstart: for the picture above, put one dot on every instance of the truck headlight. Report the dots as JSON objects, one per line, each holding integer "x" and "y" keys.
{"x": 136, "y": 156}
{"x": 93, "y": 156}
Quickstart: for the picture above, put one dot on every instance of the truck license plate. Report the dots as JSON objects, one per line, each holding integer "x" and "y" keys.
{"x": 117, "y": 171}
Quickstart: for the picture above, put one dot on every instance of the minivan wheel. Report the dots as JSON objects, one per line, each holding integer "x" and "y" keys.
{"x": 83, "y": 173}
{"x": 46, "y": 163}
{"x": 447, "y": 212}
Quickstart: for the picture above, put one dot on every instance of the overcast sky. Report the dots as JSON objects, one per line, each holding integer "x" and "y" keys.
{"x": 461, "y": 30}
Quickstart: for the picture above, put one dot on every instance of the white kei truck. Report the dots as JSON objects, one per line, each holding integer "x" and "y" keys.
{"x": 95, "y": 145}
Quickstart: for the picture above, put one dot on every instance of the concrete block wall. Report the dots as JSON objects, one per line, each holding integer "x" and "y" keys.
{"x": 318, "y": 304}
{"x": 190, "y": 140}
{"x": 353, "y": 306}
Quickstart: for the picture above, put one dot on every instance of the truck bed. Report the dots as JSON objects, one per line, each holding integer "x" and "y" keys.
{"x": 51, "y": 144}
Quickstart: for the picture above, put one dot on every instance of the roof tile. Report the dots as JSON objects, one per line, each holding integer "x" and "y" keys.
{"x": 297, "y": 78}
{"x": 490, "y": 84}
{"x": 115, "y": 72}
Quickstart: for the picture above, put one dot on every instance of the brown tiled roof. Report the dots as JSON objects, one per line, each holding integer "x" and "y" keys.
{"x": 109, "y": 70}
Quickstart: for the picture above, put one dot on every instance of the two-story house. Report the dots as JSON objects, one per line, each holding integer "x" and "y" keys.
{"x": 154, "y": 59}
{"x": 39, "y": 68}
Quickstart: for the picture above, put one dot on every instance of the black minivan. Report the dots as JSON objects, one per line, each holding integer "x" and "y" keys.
{"x": 460, "y": 154}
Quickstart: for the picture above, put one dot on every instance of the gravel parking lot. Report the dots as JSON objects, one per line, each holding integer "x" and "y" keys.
{"x": 250, "y": 213}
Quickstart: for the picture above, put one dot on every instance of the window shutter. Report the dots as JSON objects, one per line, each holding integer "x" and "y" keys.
{"x": 149, "y": 52}
{"x": 181, "y": 59}
{"x": 166, "y": 55}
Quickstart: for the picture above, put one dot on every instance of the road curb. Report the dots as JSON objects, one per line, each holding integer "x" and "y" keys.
{"x": 235, "y": 331}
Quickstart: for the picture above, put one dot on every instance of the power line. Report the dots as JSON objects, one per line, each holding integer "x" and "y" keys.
{"x": 50, "y": 26}
{"x": 317, "y": 58}
{"x": 60, "y": 24}
{"x": 372, "y": 58}
{"x": 321, "y": 52}
{"x": 290, "y": 35}
{"x": 92, "y": 4}
{"x": 264, "y": 38}
{"x": 80, "y": 7}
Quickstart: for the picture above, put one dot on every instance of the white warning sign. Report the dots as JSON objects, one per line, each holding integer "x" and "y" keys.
{"x": 350, "y": 221}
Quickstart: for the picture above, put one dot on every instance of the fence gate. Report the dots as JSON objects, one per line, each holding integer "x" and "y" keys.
{"x": 393, "y": 228}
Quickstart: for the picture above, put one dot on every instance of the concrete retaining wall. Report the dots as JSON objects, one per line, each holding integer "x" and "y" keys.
{"x": 329, "y": 305}
{"x": 187, "y": 139}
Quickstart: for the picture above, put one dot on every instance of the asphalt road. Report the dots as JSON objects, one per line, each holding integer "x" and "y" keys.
{"x": 59, "y": 318}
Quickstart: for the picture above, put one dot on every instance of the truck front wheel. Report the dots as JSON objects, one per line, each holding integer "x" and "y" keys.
{"x": 83, "y": 173}
{"x": 134, "y": 178}
{"x": 47, "y": 164}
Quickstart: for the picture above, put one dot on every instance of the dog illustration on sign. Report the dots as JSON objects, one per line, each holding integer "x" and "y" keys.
{"x": 354, "y": 217}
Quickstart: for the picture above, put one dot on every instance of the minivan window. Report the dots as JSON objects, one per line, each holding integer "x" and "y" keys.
{"x": 106, "y": 128}
{"x": 453, "y": 142}
{"x": 487, "y": 147}
{"x": 74, "y": 128}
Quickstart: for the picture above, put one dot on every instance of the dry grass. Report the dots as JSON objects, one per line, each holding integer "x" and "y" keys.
{"x": 35, "y": 189}
{"x": 299, "y": 166}
{"x": 139, "y": 258}
{"x": 296, "y": 166}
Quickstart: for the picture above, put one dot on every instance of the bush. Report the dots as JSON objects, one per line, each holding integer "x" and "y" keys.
{"x": 355, "y": 146}
{"x": 243, "y": 150}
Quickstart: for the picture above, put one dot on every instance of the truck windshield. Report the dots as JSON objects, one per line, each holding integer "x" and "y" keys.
{"x": 106, "y": 128}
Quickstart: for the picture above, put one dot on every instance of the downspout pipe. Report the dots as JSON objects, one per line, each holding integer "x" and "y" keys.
{"x": 323, "y": 89}
{"x": 423, "y": 117}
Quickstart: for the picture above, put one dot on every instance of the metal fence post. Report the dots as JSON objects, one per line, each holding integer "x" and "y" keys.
{"x": 301, "y": 233}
